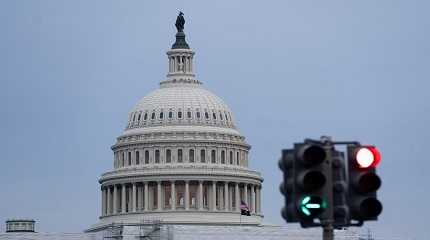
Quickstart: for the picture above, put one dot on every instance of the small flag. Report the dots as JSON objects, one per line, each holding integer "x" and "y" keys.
{"x": 244, "y": 209}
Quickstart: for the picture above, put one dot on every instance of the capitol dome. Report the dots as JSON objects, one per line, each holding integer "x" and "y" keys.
{"x": 180, "y": 159}
{"x": 181, "y": 104}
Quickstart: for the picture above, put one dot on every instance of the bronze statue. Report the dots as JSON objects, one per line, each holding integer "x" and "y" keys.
{"x": 180, "y": 22}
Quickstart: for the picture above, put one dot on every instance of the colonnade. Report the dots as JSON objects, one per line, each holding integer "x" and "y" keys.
{"x": 180, "y": 195}
{"x": 181, "y": 63}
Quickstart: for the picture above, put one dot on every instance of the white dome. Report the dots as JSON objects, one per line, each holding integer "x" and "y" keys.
{"x": 181, "y": 158}
{"x": 180, "y": 104}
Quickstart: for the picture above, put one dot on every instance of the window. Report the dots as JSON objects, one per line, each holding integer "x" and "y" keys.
{"x": 202, "y": 156}
{"x": 137, "y": 158}
{"x": 146, "y": 116}
{"x": 123, "y": 160}
{"x": 206, "y": 115}
{"x": 191, "y": 155}
{"x": 146, "y": 157}
{"x": 161, "y": 115}
{"x": 179, "y": 114}
{"x": 226, "y": 117}
{"x": 153, "y": 116}
{"x": 129, "y": 158}
{"x": 134, "y": 116}
{"x": 237, "y": 158}
{"x": 231, "y": 157}
{"x": 188, "y": 114}
{"x": 168, "y": 156}
{"x": 157, "y": 156}
{"x": 220, "y": 116}
{"x": 198, "y": 115}
{"x": 179, "y": 155}
{"x": 170, "y": 114}
{"x": 223, "y": 157}
{"x": 213, "y": 156}
{"x": 140, "y": 114}
{"x": 214, "y": 116}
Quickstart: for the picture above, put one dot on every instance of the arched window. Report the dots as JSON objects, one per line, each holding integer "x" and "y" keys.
{"x": 170, "y": 114}
{"x": 198, "y": 115}
{"x": 123, "y": 159}
{"x": 157, "y": 156}
{"x": 134, "y": 117}
{"x": 226, "y": 117}
{"x": 146, "y": 157}
{"x": 214, "y": 116}
{"x": 189, "y": 114}
{"x": 168, "y": 156}
{"x": 191, "y": 155}
{"x": 222, "y": 157}
{"x": 179, "y": 115}
{"x": 231, "y": 157}
{"x": 140, "y": 114}
{"x": 129, "y": 158}
{"x": 179, "y": 155}
{"x": 202, "y": 156}
{"x": 213, "y": 156}
{"x": 153, "y": 116}
{"x": 146, "y": 116}
{"x": 206, "y": 115}
{"x": 161, "y": 115}
{"x": 237, "y": 158}
{"x": 137, "y": 158}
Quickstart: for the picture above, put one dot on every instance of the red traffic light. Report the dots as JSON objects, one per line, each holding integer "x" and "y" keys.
{"x": 367, "y": 156}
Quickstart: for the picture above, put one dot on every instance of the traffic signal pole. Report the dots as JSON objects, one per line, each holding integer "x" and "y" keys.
{"x": 327, "y": 224}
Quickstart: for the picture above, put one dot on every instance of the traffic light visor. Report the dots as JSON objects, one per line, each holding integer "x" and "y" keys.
{"x": 367, "y": 156}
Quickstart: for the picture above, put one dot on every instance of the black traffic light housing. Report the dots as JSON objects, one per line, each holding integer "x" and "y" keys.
{"x": 306, "y": 186}
{"x": 363, "y": 185}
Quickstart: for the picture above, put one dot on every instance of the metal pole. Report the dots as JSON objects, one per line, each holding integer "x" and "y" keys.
{"x": 327, "y": 223}
{"x": 328, "y": 233}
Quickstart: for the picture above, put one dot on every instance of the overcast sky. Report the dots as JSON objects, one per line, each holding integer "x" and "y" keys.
{"x": 71, "y": 70}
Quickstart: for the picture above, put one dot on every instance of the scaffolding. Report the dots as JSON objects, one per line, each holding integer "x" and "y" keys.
{"x": 144, "y": 230}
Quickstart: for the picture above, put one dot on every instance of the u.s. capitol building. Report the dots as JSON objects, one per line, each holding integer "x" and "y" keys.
{"x": 180, "y": 169}
{"x": 181, "y": 158}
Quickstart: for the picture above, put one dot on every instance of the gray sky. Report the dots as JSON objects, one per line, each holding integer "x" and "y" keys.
{"x": 71, "y": 70}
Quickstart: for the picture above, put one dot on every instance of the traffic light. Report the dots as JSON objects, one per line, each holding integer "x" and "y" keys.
{"x": 306, "y": 185}
{"x": 363, "y": 182}
{"x": 340, "y": 190}
{"x": 286, "y": 164}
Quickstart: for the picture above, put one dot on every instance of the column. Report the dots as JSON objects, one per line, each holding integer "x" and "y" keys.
{"x": 103, "y": 201}
{"x": 146, "y": 195}
{"x": 115, "y": 199}
{"x": 226, "y": 202}
{"x": 134, "y": 198}
{"x": 213, "y": 195}
{"x": 187, "y": 195}
{"x": 173, "y": 195}
{"x": 237, "y": 197}
{"x": 245, "y": 193}
{"x": 259, "y": 199}
{"x": 256, "y": 200}
{"x": 253, "y": 205}
{"x": 123, "y": 210}
{"x": 108, "y": 200}
{"x": 159, "y": 195}
{"x": 230, "y": 198}
{"x": 200, "y": 192}
{"x": 138, "y": 198}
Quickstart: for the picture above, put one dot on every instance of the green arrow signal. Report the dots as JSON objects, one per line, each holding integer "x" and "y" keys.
{"x": 312, "y": 205}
